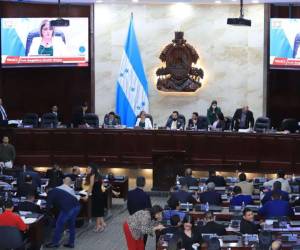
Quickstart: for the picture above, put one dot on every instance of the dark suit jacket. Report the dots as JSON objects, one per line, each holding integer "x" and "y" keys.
{"x": 212, "y": 197}
{"x": 29, "y": 206}
{"x": 247, "y": 227}
{"x": 137, "y": 200}
{"x": 212, "y": 228}
{"x": 189, "y": 181}
{"x": 218, "y": 180}
{"x": 36, "y": 178}
{"x": 77, "y": 117}
{"x": 182, "y": 197}
{"x": 191, "y": 124}
{"x": 55, "y": 177}
{"x": 180, "y": 123}
{"x": 26, "y": 188}
{"x": 237, "y": 117}
{"x": 268, "y": 196}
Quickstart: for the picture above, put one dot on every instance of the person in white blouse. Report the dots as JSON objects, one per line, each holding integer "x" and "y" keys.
{"x": 143, "y": 121}
{"x": 285, "y": 186}
{"x": 47, "y": 44}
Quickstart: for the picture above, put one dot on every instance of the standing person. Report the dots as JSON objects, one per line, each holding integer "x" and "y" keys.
{"x": 242, "y": 118}
{"x": 88, "y": 184}
{"x": 55, "y": 176}
{"x": 54, "y": 110}
{"x": 212, "y": 112}
{"x": 78, "y": 115}
{"x": 64, "y": 199}
{"x": 140, "y": 223}
{"x": 98, "y": 203}
{"x": 3, "y": 115}
{"x": 7, "y": 152}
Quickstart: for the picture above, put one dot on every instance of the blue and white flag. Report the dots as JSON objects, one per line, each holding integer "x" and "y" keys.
{"x": 132, "y": 86}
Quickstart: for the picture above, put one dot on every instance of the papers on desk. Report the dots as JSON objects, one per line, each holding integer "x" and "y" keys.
{"x": 247, "y": 130}
{"x": 28, "y": 221}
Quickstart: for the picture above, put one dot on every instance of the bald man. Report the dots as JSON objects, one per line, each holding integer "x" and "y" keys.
{"x": 67, "y": 202}
{"x": 243, "y": 118}
{"x": 188, "y": 179}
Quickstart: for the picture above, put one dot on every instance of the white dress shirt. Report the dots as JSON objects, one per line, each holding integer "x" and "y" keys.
{"x": 285, "y": 186}
{"x": 148, "y": 124}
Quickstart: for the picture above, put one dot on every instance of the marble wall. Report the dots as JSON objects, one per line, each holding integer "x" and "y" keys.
{"x": 232, "y": 57}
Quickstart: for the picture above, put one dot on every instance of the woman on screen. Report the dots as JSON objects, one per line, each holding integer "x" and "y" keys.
{"x": 47, "y": 44}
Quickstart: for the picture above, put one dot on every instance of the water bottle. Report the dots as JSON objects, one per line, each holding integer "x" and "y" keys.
{"x": 293, "y": 178}
{"x": 246, "y": 240}
{"x": 207, "y": 207}
{"x": 187, "y": 207}
{"x": 177, "y": 180}
{"x": 243, "y": 206}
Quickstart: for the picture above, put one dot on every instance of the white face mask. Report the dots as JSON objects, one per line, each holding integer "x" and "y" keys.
{"x": 214, "y": 106}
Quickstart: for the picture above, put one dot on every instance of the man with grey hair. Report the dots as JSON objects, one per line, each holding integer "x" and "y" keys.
{"x": 211, "y": 196}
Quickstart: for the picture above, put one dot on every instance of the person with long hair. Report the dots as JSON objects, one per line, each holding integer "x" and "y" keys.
{"x": 140, "y": 223}
{"x": 212, "y": 112}
{"x": 98, "y": 203}
{"x": 190, "y": 236}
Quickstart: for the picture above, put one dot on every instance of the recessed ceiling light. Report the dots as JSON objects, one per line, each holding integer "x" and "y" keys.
{"x": 135, "y": 1}
{"x": 255, "y": 1}
{"x": 218, "y": 1}
{"x": 99, "y": 1}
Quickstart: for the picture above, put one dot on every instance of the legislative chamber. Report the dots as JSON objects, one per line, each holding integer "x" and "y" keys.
{"x": 150, "y": 124}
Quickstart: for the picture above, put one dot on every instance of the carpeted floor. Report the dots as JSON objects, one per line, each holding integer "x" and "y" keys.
{"x": 112, "y": 238}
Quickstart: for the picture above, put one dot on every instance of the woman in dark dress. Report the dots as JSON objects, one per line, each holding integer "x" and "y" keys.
{"x": 98, "y": 203}
{"x": 189, "y": 235}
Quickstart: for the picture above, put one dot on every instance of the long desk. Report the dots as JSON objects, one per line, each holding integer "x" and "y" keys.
{"x": 226, "y": 151}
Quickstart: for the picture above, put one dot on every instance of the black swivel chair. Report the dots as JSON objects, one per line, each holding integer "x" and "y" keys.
{"x": 30, "y": 119}
{"x": 49, "y": 120}
{"x": 92, "y": 120}
{"x": 228, "y": 121}
{"x": 262, "y": 124}
{"x": 290, "y": 125}
{"x": 11, "y": 238}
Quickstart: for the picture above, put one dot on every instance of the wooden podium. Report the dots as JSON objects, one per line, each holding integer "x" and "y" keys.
{"x": 166, "y": 165}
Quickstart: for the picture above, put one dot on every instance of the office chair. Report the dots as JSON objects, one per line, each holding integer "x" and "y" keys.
{"x": 30, "y": 119}
{"x": 11, "y": 238}
{"x": 290, "y": 125}
{"x": 49, "y": 120}
{"x": 147, "y": 116}
{"x": 36, "y": 33}
{"x": 262, "y": 124}
{"x": 203, "y": 122}
{"x": 92, "y": 119}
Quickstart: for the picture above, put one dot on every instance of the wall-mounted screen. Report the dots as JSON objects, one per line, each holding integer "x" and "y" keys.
{"x": 30, "y": 42}
{"x": 285, "y": 43}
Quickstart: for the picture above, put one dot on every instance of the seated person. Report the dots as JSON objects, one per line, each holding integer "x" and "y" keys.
{"x": 54, "y": 110}
{"x": 189, "y": 233}
{"x": 240, "y": 199}
{"x": 182, "y": 195}
{"x": 175, "y": 224}
{"x": 10, "y": 219}
{"x": 276, "y": 207}
{"x": 111, "y": 119}
{"x": 242, "y": 119}
{"x": 194, "y": 122}
{"x": 78, "y": 114}
{"x": 174, "y": 122}
{"x": 174, "y": 206}
{"x": 276, "y": 188}
{"x": 219, "y": 181}
{"x": 247, "y": 187}
{"x": 219, "y": 124}
{"x": 29, "y": 204}
{"x": 27, "y": 187}
{"x": 211, "y": 227}
{"x": 285, "y": 186}
{"x": 247, "y": 225}
{"x": 143, "y": 121}
{"x": 211, "y": 196}
{"x": 188, "y": 179}
{"x": 28, "y": 170}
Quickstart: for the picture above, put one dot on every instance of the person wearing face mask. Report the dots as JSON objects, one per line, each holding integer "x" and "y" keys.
{"x": 212, "y": 112}
{"x": 174, "y": 122}
{"x": 191, "y": 238}
{"x": 7, "y": 153}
